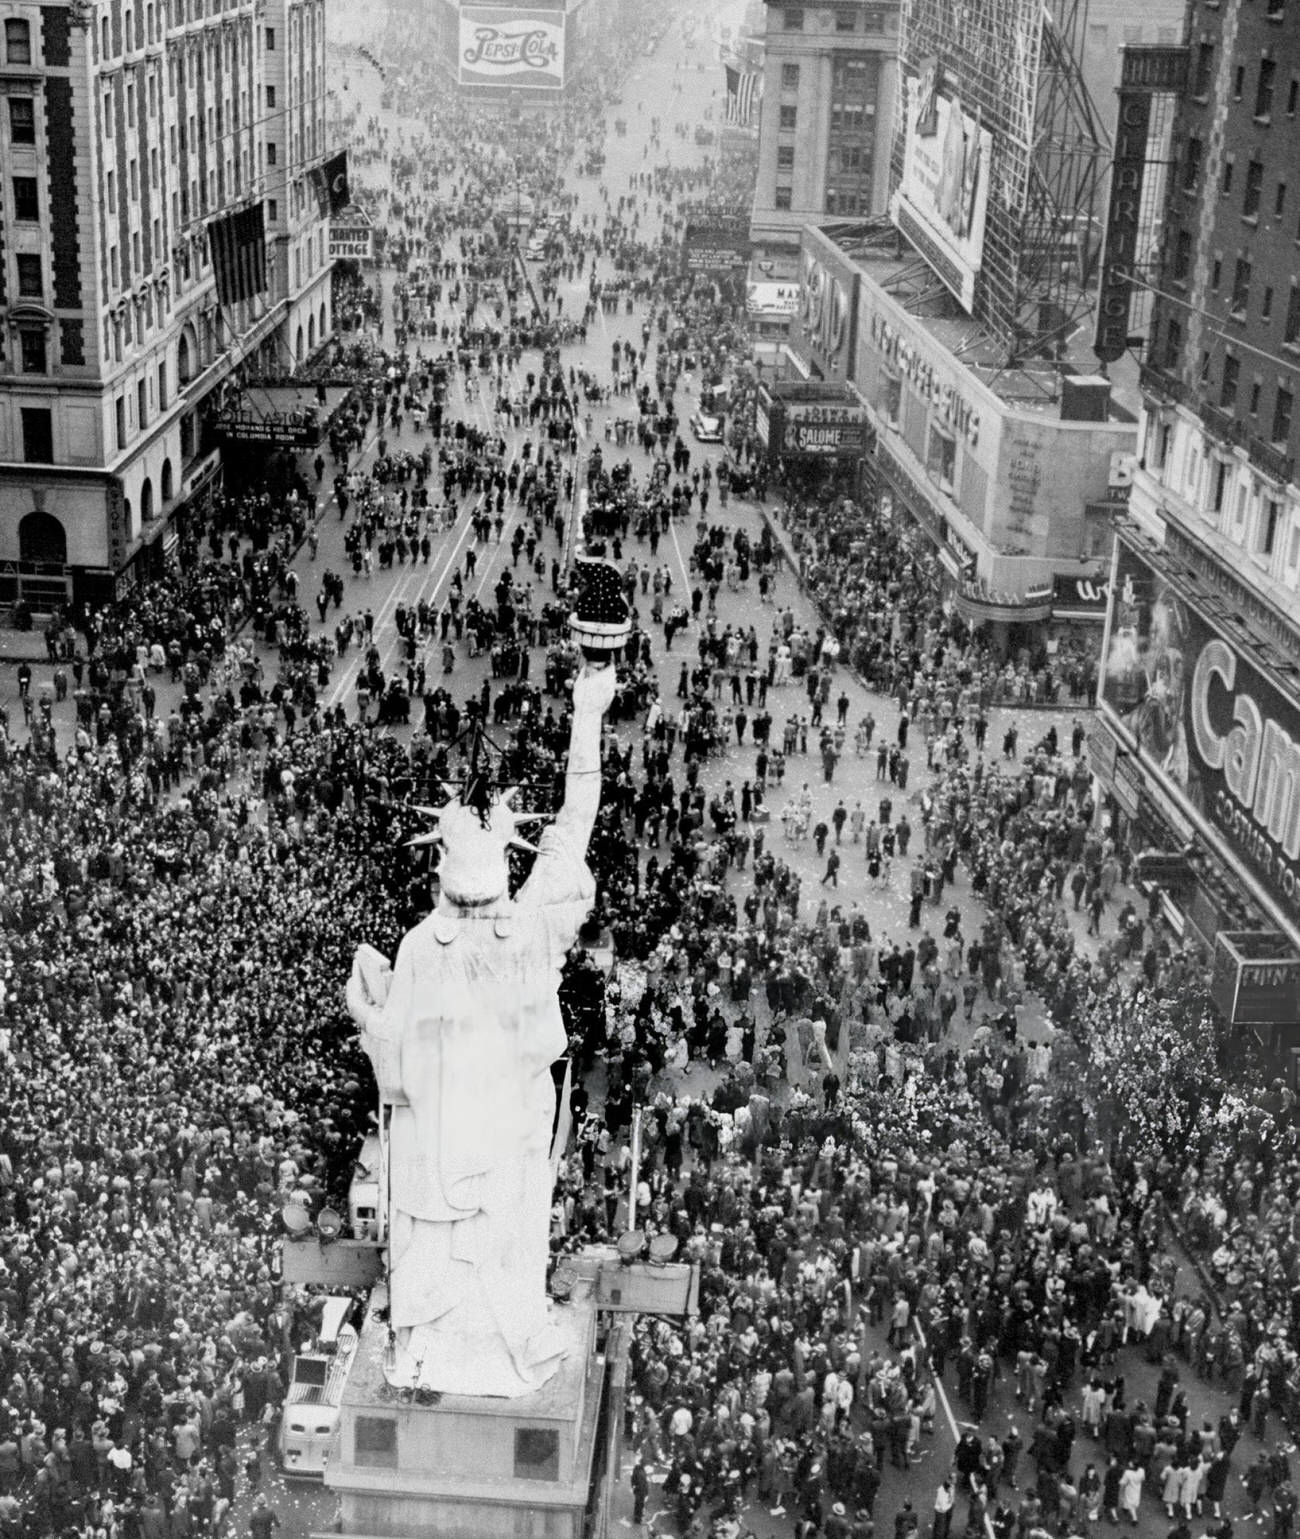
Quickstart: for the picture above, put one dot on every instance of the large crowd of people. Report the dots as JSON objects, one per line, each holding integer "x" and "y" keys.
{"x": 896, "y": 1198}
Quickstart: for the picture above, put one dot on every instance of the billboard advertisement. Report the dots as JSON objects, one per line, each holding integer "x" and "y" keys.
{"x": 772, "y": 299}
{"x": 716, "y": 245}
{"x": 501, "y": 45}
{"x": 1207, "y": 722}
{"x": 942, "y": 197}
{"x": 826, "y": 320}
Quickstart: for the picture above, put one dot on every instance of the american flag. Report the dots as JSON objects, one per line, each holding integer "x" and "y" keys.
{"x": 742, "y": 91}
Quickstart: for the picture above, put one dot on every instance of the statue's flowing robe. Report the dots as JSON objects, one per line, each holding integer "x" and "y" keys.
{"x": 463, "y": 1046}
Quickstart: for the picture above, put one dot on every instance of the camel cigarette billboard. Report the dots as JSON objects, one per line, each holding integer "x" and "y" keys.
{"x": 1220, "y": 735}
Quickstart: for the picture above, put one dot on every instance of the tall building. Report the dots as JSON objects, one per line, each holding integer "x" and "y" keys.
{"x": 1200, "y": 694}
{"x": 129, "y": 126}
{"x": 829, "y": 84}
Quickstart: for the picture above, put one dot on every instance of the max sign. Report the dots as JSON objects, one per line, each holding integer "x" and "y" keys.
{"x": 825, "y": 310}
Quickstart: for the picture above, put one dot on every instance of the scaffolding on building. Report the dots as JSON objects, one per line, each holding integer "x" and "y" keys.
{"x": 1012, "y": 65}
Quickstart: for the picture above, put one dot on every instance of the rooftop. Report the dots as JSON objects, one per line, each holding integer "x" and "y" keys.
{"x": 883, "y": 256}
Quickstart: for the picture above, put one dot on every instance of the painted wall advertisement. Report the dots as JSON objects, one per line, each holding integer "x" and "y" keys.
{"x": 942, "y": 199}
{"x": 1221, "y": 737}
{"x": 503, "y": 45}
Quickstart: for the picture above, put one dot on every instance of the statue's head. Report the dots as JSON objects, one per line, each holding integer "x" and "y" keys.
{"x": 474, "y": 839}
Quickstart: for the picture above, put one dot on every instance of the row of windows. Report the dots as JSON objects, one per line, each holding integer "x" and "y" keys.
{"x": 847, "y": 19}
{"x": 1212, "y": 492}
{"x": 1230, "y": 384}
{"x": 850, "y": 198}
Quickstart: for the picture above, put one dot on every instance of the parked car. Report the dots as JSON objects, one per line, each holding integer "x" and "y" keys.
{"x": 707, "y": 429}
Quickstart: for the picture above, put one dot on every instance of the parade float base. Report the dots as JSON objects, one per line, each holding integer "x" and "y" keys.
{"x": 464, "y": 1466}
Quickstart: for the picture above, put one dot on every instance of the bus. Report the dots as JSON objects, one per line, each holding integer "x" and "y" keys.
{"x": 311, "y": 1406}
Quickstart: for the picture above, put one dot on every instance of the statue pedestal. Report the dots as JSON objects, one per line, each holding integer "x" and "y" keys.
{"x": 472, "y": 1467}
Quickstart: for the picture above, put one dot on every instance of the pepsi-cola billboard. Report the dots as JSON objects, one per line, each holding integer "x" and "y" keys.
{"x": 502, "y": 45}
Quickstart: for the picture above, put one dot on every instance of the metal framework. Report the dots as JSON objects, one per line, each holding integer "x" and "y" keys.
{"x": 1015, "y": 65}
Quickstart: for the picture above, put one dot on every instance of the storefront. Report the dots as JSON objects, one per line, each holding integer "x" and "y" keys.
{"x": 813, "y": 431}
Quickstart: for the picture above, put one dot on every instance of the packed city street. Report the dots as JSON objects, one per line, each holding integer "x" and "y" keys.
{"x": 995, "y": 1235}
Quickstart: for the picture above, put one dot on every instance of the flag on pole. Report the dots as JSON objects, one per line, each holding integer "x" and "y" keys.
{"x": 742, "y": 89}
{"x": 237, "y": 245}
{"x": 330, "y": 180}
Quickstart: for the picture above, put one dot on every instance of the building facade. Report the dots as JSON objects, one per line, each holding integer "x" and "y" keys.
{"x": 1201, "y": 694}
{"x": 1015, "y": 489}
{"x": 829, "y": 86}
{"x": 127, "y": 126}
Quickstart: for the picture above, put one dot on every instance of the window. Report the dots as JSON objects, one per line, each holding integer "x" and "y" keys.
{"x": 1264, "y": 88}
{"x": 537, "y": 1453}
{"x": 789, "y": 116}
{"x": 1238, "y": 82}
{"x": 22, "y": 120}
{"x": 162, "y": 386}
{"x": 1204, "y": 69}
{"x": 375, "y": 1441}
{"x": 272, "y": 209}
{"x": 119, "y": 420}
{"x": 142, "y": 404}
{"x": 270, "y": 40}
{"x": 18, "y": 42}
{"x": 1279, "y": 199}
{"x": 31, "y": 279}
{"x": 1254, "y": 187}
{"x": 1291, "y": 333}
{"x": 271, "y": 154}
{"x": 1283, "y": 405}
{"x": 1270, "y": 515}
{"x": 1292, "y": 97}
{"x": 792, "y": 18}
{"x": 785, "y": 157}
{"x": 1256, "y": 390}
{"x": 1241, "y": 286}
{"x": 941, "y": 461}
{"x": 110, "y": 191}
{"x": 31, "y": 340}
{"x": 783, "y": 197}
{"x": 27, "y": 205}
{"x": 1219, "y": 484}
{"x": 1228, "y": 168}
{"x": 1192, "y": 165}
{"x": 1216, "y": 274}
{"x": 38, "y": 435}
{"x": 270, "y": 96}
{"x": 1275, "y": 9}
{"x": 1266, "y": 304}
{"x": 845, "y": 21}
{"x": 789, "y": 77}
{"x": 1173, "y": 344}
{"x": 1182, "y": 255}
{"x": 1228, "y": 389}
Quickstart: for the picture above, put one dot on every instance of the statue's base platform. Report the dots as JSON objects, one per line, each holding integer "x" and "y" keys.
{"x": 471, "y": 1467}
